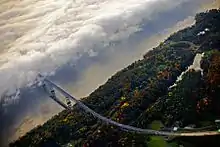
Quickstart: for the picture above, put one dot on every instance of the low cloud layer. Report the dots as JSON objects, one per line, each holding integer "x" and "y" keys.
{"x": 43, "y": 36}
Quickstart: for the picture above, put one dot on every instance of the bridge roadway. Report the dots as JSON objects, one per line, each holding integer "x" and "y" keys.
{"x": 122, "y": 126}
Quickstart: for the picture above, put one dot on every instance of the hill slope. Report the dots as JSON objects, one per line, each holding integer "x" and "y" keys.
{"x": 139, "y": 94}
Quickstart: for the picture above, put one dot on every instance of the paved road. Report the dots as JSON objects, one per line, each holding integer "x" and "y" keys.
{"x": 208, "y": 133}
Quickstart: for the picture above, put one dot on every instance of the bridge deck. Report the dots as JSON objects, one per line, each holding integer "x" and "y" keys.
{"x": 122, "y": 126}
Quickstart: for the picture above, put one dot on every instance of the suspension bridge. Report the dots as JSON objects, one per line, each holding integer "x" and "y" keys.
{"x": 50, "y": 88}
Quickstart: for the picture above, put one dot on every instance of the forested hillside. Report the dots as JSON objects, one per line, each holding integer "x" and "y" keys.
{"x": 140, "y": 94}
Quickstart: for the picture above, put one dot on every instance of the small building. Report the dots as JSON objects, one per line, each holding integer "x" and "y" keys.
{"x": 175, "y": 129}
{"x": 206, "y": 29}
{"x": 189, "y": 127}
{"x": 217, "y": 122}
{"x": 201, "y": 33}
